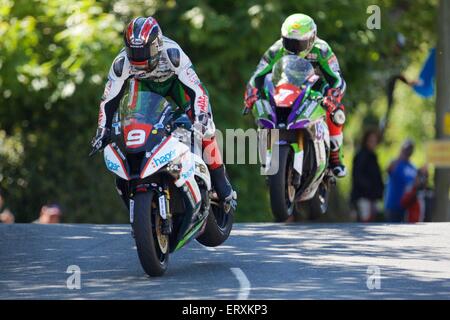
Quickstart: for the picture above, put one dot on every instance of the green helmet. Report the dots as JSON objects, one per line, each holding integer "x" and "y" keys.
{"x": 298, "y": 33}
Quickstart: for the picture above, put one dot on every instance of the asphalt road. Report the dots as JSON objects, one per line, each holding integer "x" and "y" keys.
{"x": 259, "y": 261}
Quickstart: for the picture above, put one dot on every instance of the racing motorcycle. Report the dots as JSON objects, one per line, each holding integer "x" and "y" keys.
{"x": 295, "y": 141}
{"x": 163, "y": 182}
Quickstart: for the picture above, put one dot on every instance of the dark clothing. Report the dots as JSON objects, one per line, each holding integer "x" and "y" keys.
{"x": 366, "y": 175}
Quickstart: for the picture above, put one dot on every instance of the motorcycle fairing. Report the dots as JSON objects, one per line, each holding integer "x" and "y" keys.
{"x": 167, "y": 151}
{"x": 114, "y": 162}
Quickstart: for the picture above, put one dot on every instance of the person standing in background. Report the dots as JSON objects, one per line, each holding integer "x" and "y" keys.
{"x": 49, "y": 214}
{"x": 401, "y": 174}
{"x": 417, "y": 198}
{"x": 6, "y": 215}
{"x": 367, "y": 182}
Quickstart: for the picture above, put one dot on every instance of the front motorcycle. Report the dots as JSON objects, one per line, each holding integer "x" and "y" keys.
{"x": 295, "y": 139}
{"x": 164, "y": 184}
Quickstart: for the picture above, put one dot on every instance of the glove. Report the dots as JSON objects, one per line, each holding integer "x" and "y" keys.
{"x": 251, "y": 96}
{"x": 101, "y": 139}
{"x": 204, "y": 125}
{"x": 330, "y": 103}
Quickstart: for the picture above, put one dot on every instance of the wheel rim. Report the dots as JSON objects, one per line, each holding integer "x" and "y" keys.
{"x": 163, "y": 240}
{"x": 290, "y": 188}
{"x": 158, "y": 237}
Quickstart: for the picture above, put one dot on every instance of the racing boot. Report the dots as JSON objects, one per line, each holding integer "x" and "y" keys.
{"x": 223, "y": 187}
{"x": 336, "y": 155}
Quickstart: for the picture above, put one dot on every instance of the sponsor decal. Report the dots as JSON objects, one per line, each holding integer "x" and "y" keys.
{"x": 201, "y": 168}
{"x": 111, "y": 165}
{"x": 320, "y": 132}
{"x": 162, "y": 207}
{"x": 203, "y": 103}
{"x": 131, "y": 211}
{"x": 310, "y": 108}
{"x": 333, "y": 63}
{"x": 188, "y": 173}
{"x": 100, "y": 117}
{"x": 116, "y": 127}
{"x": 107, "y": 89}
{"x": 163, "y": 159}
{"x": 137, "y": 42}
{"x": 192, "y": 76}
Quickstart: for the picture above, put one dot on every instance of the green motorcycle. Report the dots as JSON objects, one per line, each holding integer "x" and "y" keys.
{"x": 295, "y": 139}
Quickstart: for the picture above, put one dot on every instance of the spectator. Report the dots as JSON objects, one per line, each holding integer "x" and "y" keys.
{"x": 367, "y": 185}
{"x": 417, "y": 198}
{"x": 401, "y": 174}
{"x": 6, "y": 215}
{"x": 49, "y": 214}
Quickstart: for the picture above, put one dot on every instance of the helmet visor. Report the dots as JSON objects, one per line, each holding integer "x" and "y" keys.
{"x": 139, "y": 55}
{"x": 296, "y": 46}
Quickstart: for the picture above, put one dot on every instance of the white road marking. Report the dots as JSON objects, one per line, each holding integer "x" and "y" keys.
{"x": 244, "y": 283}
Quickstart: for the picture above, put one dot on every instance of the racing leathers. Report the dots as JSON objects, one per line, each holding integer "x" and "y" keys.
{"x": 173, "y": 77}
{"x": 331, "y": 84}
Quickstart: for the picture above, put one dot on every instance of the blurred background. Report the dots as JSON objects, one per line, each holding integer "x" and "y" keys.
{"x": 55, "y": 56}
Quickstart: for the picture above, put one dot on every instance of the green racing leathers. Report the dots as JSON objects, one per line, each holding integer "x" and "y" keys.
{"x": 326, "y": 66}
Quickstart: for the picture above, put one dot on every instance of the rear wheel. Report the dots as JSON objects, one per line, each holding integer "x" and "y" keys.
{"x": 318, "y": 205}
{"x": 218, "y": 226}
{"x": 152, "y": 246}
{"x": 281, "y": 185}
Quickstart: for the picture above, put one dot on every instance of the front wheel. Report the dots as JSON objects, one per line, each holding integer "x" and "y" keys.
{"x": 152, "y": 246}
{"x": 281, "y": 185}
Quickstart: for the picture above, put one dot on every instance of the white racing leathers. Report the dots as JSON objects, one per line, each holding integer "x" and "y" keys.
{"x": 173, "y": 62}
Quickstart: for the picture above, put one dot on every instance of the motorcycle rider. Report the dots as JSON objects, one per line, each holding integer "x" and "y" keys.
{"x": 154, "y": 62}
{"x": 299, "y": 37}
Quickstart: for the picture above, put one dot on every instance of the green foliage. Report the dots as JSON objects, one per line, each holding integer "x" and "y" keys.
{"x": 55, "y": 55}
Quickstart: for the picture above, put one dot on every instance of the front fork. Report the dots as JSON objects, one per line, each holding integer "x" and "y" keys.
{"x": 162, "y": 192}
{"x": 298, "y": 148}
{"x": 267, "y": 143}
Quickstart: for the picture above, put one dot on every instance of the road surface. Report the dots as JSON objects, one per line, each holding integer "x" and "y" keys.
{"x": 259, "y": 261}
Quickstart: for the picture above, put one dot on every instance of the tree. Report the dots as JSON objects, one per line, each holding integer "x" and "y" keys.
{"x": 54, "y": 58}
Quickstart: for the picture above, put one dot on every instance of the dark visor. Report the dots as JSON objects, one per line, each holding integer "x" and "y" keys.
{"x": 294, "y": 45}
{"x": 138, "y": 54}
